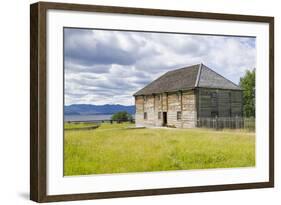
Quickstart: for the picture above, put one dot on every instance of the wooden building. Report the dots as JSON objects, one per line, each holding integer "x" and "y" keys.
{"x": 181, "y": 97}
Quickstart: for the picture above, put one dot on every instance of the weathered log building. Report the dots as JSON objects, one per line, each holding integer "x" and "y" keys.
{"x": 180, "y": 97}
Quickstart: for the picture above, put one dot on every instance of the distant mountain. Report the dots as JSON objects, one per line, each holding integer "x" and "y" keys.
{"x": 88, "y": 109}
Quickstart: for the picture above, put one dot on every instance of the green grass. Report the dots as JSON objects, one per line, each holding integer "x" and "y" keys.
{"x": 75, "y": 125}
{"x": 117, "y": 149}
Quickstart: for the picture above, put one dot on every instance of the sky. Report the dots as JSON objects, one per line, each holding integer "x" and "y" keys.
{"x": 108, "y": 67}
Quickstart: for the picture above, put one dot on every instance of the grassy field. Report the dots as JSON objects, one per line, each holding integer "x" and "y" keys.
{"x": 73, "y": 125}
{"x": 117, "y": 149}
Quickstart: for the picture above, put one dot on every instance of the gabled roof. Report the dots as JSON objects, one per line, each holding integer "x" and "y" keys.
{"x": 187, "y": 78}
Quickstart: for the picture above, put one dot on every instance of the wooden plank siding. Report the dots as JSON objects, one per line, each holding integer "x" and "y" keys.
{"x": 193, "y": 105}
{"x": 227, "y": 103}
{"x": 182, "y": 101}
{"x": 187, "y": 94}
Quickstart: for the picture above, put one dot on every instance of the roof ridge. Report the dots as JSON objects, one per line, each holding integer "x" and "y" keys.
{"x": 221, "y": 76}
{"x": 188, "y": 77}
{"x": 164, "y": 75}
{"x": 198, "y": 75}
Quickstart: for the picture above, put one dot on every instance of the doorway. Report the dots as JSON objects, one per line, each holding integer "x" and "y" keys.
{"x": 164, "y": 118}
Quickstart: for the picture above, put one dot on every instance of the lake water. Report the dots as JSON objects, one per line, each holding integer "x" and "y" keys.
{"x": 87, "y": 117}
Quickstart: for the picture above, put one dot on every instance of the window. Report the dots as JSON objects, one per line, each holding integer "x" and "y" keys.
{"x": 159, "y": 97}
{"x": 159, "y": 115}
{"x": 178, "y": 96}
{"x": 144, "y": 99}
{"x": 214, "y": 95}
{"x": 145, "y": 115}
{"x": 214, "y": 114}
{"x": 214, "y": 104}
{"x": 178, "y": 115}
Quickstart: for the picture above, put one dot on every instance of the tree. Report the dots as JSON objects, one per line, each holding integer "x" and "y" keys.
{"x": 121, "y": 116}
{"x": 247, "y": 83}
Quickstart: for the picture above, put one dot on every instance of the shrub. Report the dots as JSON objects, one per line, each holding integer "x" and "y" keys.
{"x": 121, "y": 117}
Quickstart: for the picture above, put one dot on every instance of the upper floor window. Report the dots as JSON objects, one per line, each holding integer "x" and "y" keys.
{"x": 214, "y": 95}
{"x": 214, "y": 104}
{"x": 178, "y": 96}
{"x": 159, "y": 97}
{"x": 144, "y": 99}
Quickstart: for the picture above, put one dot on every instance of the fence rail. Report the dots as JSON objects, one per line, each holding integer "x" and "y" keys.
{"x": 100, "y": 121}
{"x": 227, "y": 122}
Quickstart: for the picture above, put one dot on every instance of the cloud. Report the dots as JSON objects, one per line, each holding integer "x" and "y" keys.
{"x": 88, "y": 48}
{"x": 85, "y": 48}
{"x": 107, "y": 67}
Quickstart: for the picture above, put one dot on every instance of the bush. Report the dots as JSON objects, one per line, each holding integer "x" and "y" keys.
{"x": 121, "y": 116}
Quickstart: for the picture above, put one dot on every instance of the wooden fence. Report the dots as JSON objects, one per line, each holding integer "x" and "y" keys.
{"x": 102, "y": 121}
{"x": 227, "y": 122}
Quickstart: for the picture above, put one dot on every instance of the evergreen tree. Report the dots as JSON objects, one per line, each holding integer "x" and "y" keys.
{"x": 247, "y": 83}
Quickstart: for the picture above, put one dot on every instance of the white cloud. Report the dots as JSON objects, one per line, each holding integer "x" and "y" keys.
{"x": 107, "y": 67}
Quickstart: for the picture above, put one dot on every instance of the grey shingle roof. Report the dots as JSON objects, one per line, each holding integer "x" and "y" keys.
{"x": 187, "y": 78}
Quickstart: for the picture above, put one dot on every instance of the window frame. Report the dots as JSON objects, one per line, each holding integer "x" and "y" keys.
{"x": 179, "y": 115}
{"x": 145, "y": 115}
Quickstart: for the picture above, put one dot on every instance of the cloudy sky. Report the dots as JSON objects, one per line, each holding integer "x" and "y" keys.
{"x": 107, "y": 67}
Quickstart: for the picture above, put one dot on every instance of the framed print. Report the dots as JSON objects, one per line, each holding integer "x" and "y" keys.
{"x": 134, "y": 102}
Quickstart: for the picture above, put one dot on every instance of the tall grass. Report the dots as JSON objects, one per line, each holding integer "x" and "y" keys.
{"x": 77, "y": 125}
{"x": 113, "y": 148}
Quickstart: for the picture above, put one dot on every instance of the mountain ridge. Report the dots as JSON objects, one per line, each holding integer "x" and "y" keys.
{"x": 91, "y": 109}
